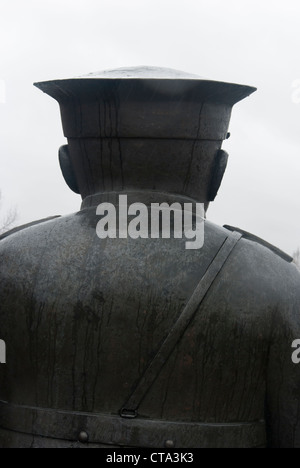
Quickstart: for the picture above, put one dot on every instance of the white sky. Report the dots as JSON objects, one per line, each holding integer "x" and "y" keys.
{"x": 249, "y": 42}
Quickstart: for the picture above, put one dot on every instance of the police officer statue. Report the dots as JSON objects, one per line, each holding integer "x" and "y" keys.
{"x": 122, "y": 342}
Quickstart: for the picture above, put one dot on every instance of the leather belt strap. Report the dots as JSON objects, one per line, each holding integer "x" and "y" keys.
{"x": 129, "y": 409}
{"x": 113, "y": 430}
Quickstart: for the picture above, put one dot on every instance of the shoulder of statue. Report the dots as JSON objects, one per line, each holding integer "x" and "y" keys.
{"x": 25, "y": 226}
{"x": 258, "y": 240}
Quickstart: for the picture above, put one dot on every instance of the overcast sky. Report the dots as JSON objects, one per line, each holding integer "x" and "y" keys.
{"x": 253, "y": 42}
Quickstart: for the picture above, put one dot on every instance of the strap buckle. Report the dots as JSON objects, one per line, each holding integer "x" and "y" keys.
{"x": 128, "y": 413}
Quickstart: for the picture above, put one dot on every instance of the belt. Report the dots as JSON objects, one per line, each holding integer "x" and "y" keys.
{"x": 139, "y": 432}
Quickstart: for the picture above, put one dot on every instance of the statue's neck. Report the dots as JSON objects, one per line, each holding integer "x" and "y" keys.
{"x": 146, "y": 197}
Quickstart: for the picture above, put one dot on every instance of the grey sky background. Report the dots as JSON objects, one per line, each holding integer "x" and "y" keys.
{"x": 248, "y": 42}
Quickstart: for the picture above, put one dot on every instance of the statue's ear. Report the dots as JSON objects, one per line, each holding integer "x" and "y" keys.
{"x": 219, "y": 168}
{"x": 67, "y": 169}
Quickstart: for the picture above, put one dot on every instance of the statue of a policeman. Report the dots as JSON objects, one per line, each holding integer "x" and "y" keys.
{"x": 141, "y": 342}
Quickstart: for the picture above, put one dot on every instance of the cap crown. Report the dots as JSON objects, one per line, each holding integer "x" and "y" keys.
{"x": 145, "y": 102}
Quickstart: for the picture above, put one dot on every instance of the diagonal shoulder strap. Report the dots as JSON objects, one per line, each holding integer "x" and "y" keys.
{"x": 130, "y": 408}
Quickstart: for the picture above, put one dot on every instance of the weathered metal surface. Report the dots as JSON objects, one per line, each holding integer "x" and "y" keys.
{"x": 82, "y": 317}
{"x": 126, "y": 127}
{"x": 87, "y": 316}
{"x": 145, "y": 102}
{"x": 102, "y": 428}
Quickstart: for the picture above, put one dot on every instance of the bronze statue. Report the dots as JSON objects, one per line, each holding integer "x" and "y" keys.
{"x": 122, "y": 342}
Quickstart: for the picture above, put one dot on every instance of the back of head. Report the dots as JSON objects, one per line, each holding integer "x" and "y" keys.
{"x": 144, "y": 128}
